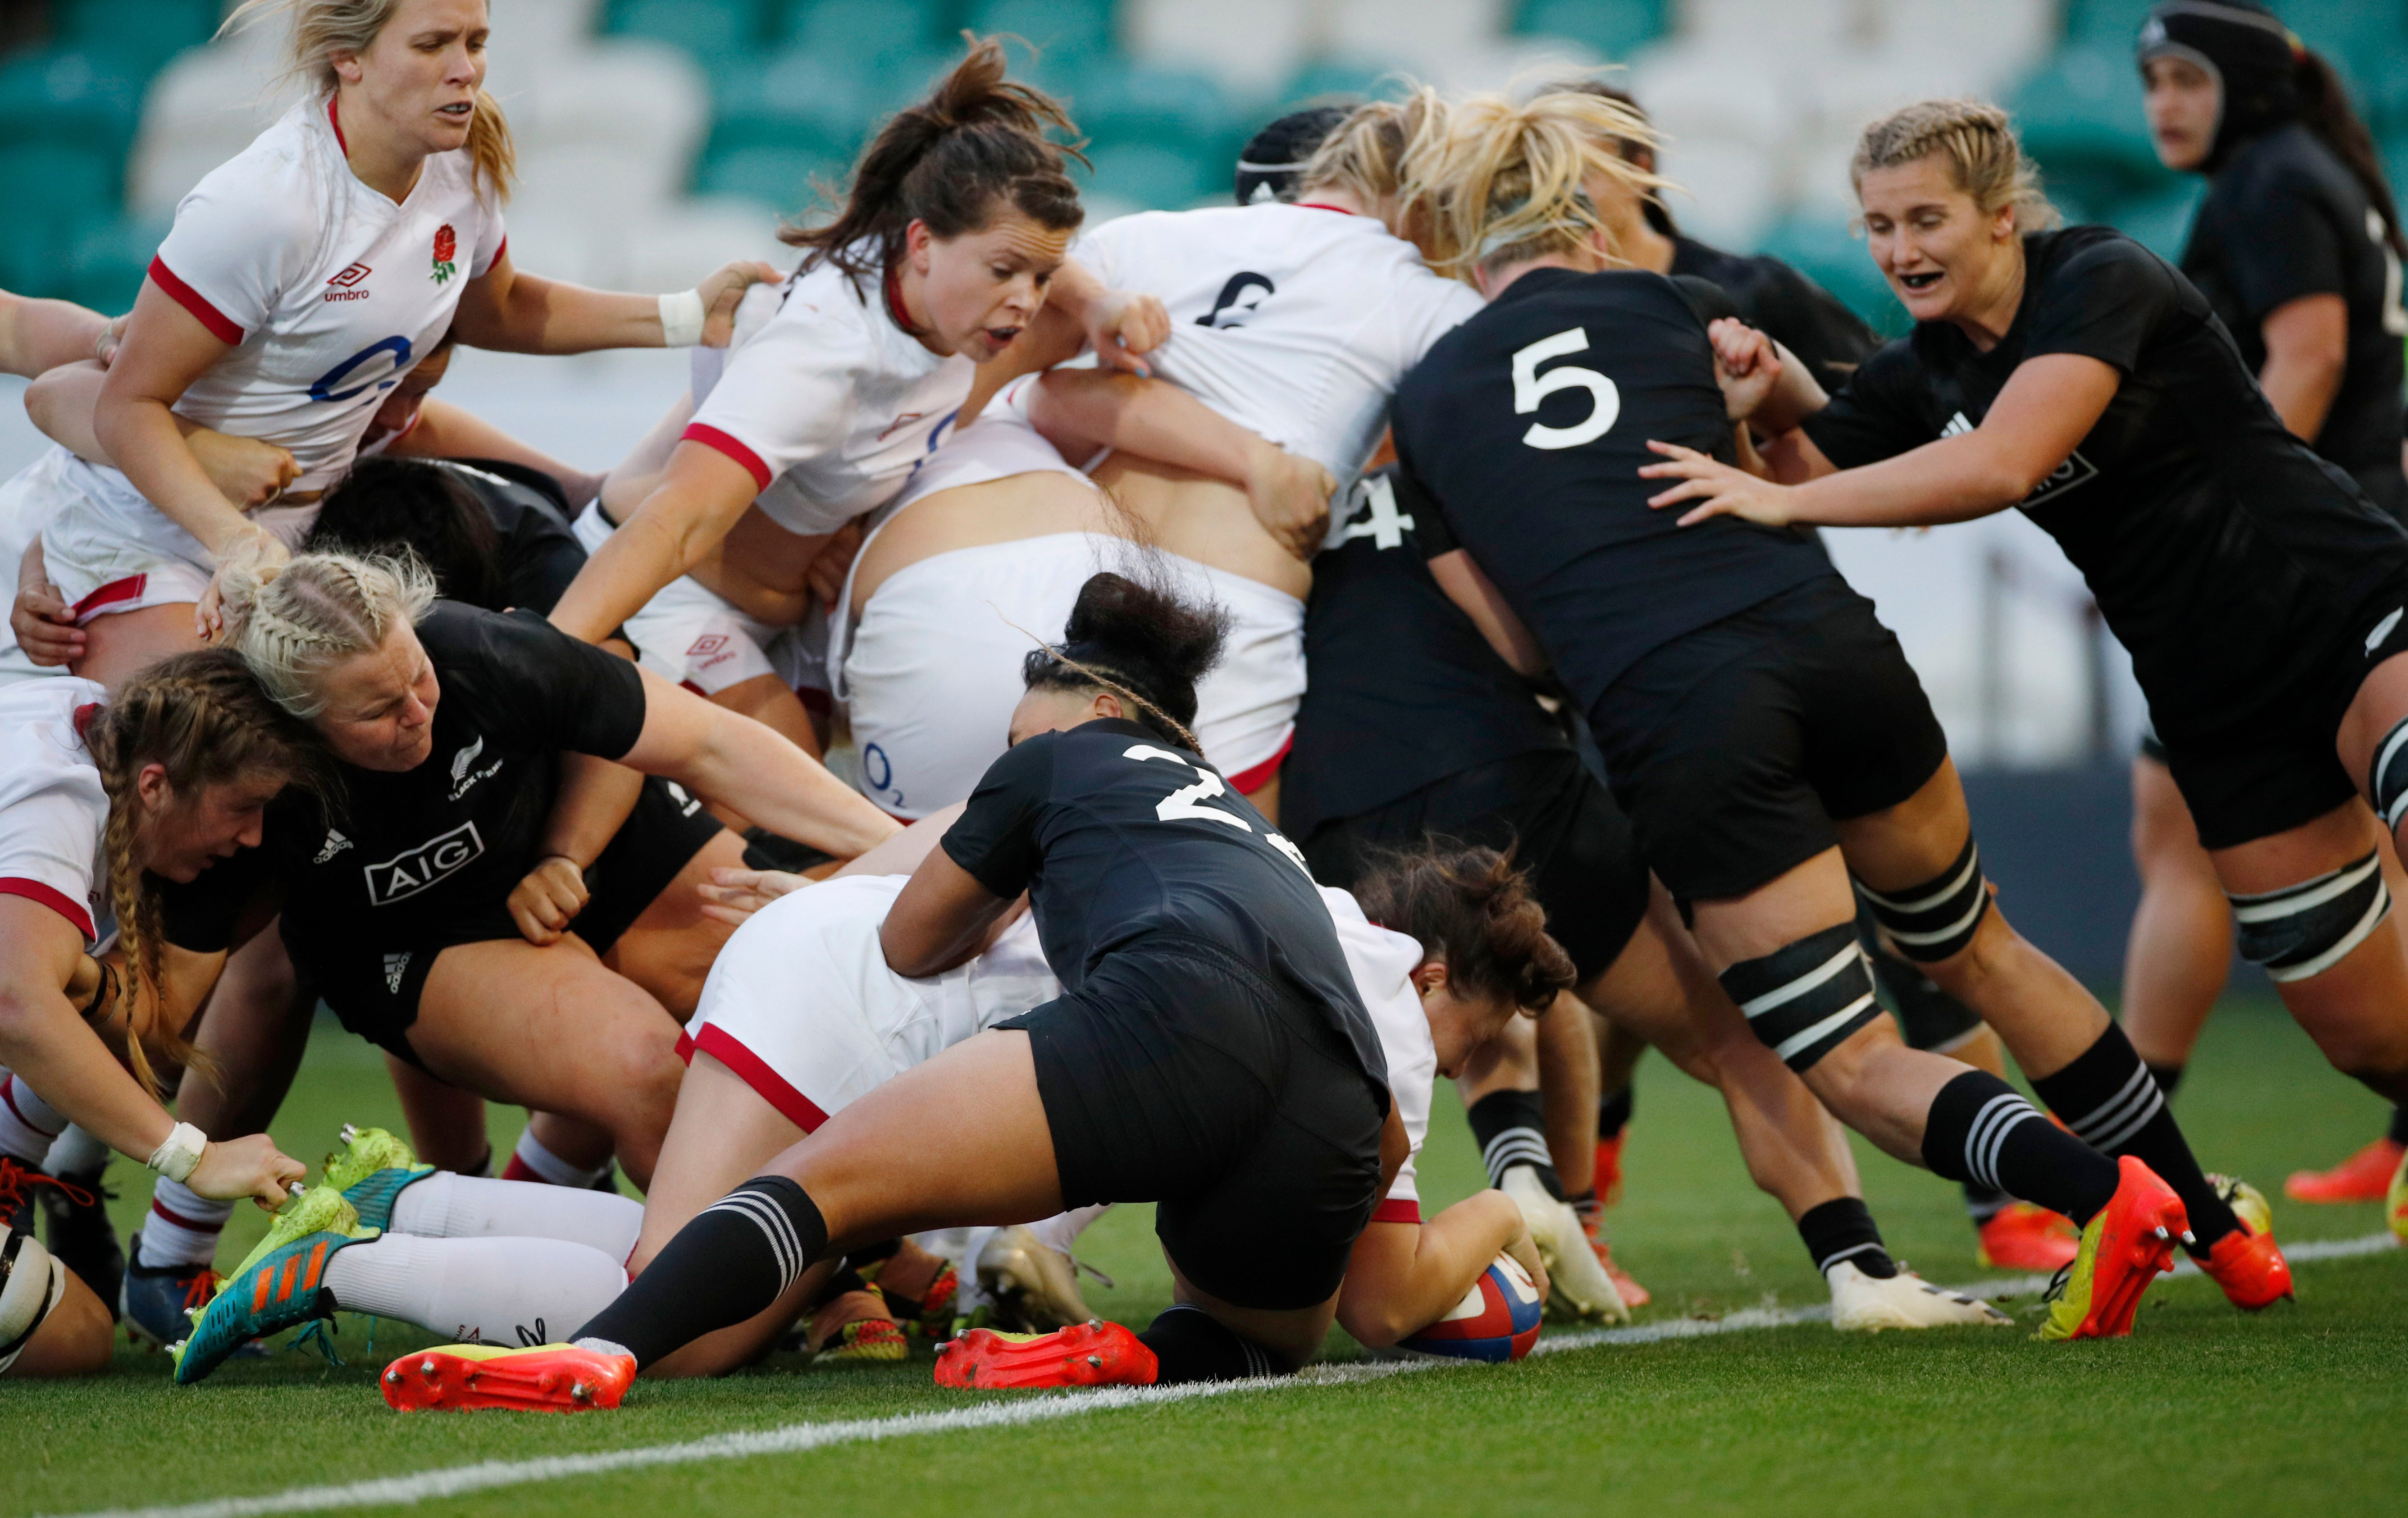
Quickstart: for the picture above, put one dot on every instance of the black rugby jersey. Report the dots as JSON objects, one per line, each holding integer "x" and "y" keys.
{"x": 540, "y": 553}
{"x": 2230, "y": 559}
{"x": 1786, "y": 306}
{"x": 1404, "y": 691}
{"x": 1120, "y": 836}
{"x": 2284, "y": 218}
{"x": 1528, "y": 424}
{"x": 403, "y": 852}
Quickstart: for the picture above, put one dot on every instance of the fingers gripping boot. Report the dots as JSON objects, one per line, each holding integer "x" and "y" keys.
{"x": 1578, "y": 1285}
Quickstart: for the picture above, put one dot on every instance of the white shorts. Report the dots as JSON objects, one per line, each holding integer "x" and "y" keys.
{"x": 801, "y": 1005}
{"x": 693, "y": 635}
{"x": 108, "y": 550}
{"x": 934, "y": 668}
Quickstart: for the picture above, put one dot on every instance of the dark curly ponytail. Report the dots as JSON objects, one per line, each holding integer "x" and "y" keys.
{"x": 1474, "y": 906}
{"x": 977, "y": 139}
{"x": 1140, "y": 643}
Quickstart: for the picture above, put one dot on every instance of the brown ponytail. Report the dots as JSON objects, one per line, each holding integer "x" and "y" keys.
{"x": 1474, "y": 907}
{"x": 202, "y": 717}
{"x": 2325, "y": 109}
{"x": 977, "y": 139}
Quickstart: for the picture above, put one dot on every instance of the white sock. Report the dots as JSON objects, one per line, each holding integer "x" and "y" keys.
{"x": 445, "y": 1206}
{"x": 550, "y": 1167}
{"x": 183, "y": 1227}
{"x": 1061, "y": 1231}
{"x": 77, "y": 1154}
{"x": 492, "y": 1291}
{"x": 27, "y": 1123}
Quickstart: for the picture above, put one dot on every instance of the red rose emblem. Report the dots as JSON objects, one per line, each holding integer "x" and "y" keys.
{"x": 446, "y": 244}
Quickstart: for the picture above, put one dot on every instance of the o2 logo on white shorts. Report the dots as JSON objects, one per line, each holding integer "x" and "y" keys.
{"x": 413, "y": 870}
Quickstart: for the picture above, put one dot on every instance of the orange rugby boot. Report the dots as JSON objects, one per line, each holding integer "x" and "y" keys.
{"x": 2127, "y": 1245}
{"x": 546, "y": 1378}
{"x": 2021, "y": 1237}
{"x": 2364, "y": 1176}
{"x": 1083, "y": 1355}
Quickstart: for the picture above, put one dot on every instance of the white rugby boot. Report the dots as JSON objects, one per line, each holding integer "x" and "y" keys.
{"x": 1577, "y": 1285}
{"x": 1862, "y": 1304}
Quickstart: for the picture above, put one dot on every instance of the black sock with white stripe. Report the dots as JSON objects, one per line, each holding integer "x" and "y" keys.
{"x": 1979, "y": 1130}
{"x": 1190, "y": 1344}
{"x": 2168, "y": 1077}
{"x": 733, "y": 1261}
{"x": 1843, "y": 1229}
{"x": 2108, "y": 1099}
{"x": 1511, "y": 1128}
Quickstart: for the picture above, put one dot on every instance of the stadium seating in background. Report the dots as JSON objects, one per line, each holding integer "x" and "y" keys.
{"x": 66, "y": 120}
{"x": 1613, "y": 28}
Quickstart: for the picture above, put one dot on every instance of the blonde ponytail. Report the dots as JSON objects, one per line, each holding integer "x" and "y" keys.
{"x": 1509, "y": 184}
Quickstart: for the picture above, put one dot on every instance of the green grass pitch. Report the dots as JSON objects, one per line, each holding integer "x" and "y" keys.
{"x": 2202, "y": 1410}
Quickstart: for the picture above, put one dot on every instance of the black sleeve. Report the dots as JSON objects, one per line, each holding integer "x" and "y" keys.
{"x": 1877, "y": 413}
{"x": 559, "y": 692}
{"x": 537, "y": 566}
{"x": 1829, "y": 339}
{"x": 1431, "y": 535}
{"x": 995, "y": 838}
{"x": 1708, "y": 300}
{"x": 2103, "y": 302}
{"x": 2286, "y": 246}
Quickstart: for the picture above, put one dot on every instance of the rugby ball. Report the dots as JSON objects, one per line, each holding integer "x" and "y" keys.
{"x": 1497, "y": 1320}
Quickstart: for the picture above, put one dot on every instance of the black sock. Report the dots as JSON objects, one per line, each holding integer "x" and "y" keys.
{"x": 1614, "y": 1111}
{"x": 483, "y": 1169}
{"x": 2399, "y": 1130}
{"x": 1191, "y": 1344}
{"x": 1511, "y": 1128}
{"x": 1843, "y": 1229}
{"x": 1982, "y": 1203}
{"x": 1585, "y": 1206}
{"x": 734, "y": 1259}
{"x": 1979, "y": 1130}
{"x": 2168, "y": 1077}
{"x": 2107, "y": 1098}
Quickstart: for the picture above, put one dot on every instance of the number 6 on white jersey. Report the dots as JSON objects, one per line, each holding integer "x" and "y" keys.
{"x": 1531, "y": 387}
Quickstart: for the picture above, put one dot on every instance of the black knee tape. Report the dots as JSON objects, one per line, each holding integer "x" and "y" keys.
{"x": 2305, "y": 929}
{"x": 2387, "y": 777}
{"x": 1933, "y": 920}
{"x": 1804, "y": 1000}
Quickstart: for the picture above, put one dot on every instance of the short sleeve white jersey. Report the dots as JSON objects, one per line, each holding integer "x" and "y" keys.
{"x": 1294, "y": 322}
{"x": 53, "y": 812}
{"x": 824, "y": 399}
{"x": 328, "y": 291}
{"x": 1383, "y": 964}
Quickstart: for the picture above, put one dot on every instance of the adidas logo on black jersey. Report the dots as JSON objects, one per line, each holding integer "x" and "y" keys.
{"x": 2076, "y": 470}
{"x": 413, "y": 870}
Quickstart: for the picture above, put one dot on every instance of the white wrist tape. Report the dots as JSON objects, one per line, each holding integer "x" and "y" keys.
{"x": 181, "y": 1155}
{"x": 682, "y": 317}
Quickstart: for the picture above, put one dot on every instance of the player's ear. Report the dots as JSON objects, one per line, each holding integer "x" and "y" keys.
{"x": 1430, "y": 976}
{"x": 1107, "y": 705}
{"x": 917, "y": 241}
{"x": 152, "y": 785}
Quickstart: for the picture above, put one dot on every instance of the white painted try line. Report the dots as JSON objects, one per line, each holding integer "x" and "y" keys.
{"x": 460, "y": 1480}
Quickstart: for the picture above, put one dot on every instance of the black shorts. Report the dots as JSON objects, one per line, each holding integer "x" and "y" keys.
{"x": 1563, "y": 826}
{"x": 2283, "y": 770}
{"x": 374, "y": 988}
{"x": 1177, "y": 1075}
{"x": 1735, "y": 747}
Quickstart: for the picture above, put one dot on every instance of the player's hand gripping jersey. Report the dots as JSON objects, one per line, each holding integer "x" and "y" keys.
{"x": 53, "y": 812}
{"x": 824, "y": 397}
{"x": 1294, "y": 322}
{"x": 1528, "y": 424}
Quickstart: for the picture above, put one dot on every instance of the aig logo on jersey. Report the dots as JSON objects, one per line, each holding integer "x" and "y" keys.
{"x": 413, "y": 870}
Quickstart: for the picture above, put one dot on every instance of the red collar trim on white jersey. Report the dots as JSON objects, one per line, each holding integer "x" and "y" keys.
{"x": 1317, "y": 205}
{"x": 891, "y": 285}
{"x": 334, "y": 120}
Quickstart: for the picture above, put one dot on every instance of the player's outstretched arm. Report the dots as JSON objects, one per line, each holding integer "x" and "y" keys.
{"x": 700, "y": 497}
{"x": 504, "y": 310}
{"x": 942, "y": 918}
{"x": 65, "y": 402}
{"x": 723, "y": 757}
{"x": 1403, "y": 1276}
{"x": 39, "y": 335}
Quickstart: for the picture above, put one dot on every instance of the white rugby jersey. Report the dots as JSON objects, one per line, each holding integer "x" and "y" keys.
{"x": 1294, "y": 322}
{"x": 328, "y": 289}
{"x": 53, "y": 813}
{"x": 824, "y": 399}
{"x": 1383, "y": 964}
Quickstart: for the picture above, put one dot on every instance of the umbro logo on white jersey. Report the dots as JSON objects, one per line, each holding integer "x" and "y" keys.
{"x": 461, "y": 777}
{"x": 341, "y": 286}
{"x": 336, "y": 843}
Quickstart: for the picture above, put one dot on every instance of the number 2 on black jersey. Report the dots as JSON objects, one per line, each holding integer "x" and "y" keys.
{"x": 1188, "y": 801}
{"x": 1531, "y": 387}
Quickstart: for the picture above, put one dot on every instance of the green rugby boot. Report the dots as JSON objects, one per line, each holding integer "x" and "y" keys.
{"x": 371, "y": 1170}
{"x": 277, "y": 1285}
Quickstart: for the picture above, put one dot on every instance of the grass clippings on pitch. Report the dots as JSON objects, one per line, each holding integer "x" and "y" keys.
{"x": 2203, "y": 1410}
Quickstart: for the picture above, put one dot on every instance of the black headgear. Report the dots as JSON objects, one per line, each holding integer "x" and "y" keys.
{"x": 2252, "y": 54}
{"x": 1271, "y": 168}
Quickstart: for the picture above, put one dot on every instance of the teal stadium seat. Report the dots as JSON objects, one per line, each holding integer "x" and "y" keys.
{"x": 1124, "y": 102}
{"x": 1613, "y": 27}
{"x": 720, "y": 34}
{"x": 63, "y": 96}
{"x": 780, "y": 178}
{"x": 107, "y": 262}
{"x": 853, "y": 29}
{"x": 1831, "y": 254}
{"x": 2082, "y": 120}
{"x": 801, "y": 100}
{"x": 1154, "y": 176}
{"x": 2108, "y": 23}
{"x": 2162, "y": 223}
{"x": 1339, "y": 79}
{"x": 145, "y": 34}
{"x": 1067, "y": 33}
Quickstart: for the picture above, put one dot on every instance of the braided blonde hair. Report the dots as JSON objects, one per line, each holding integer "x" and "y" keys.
{"x": 204, "y": 720}
{"x": 322, "y": 28}
{"x": 1978, "y": 142}
{"x": 321, "y": 610}
{"x": 1508, "y": 183}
